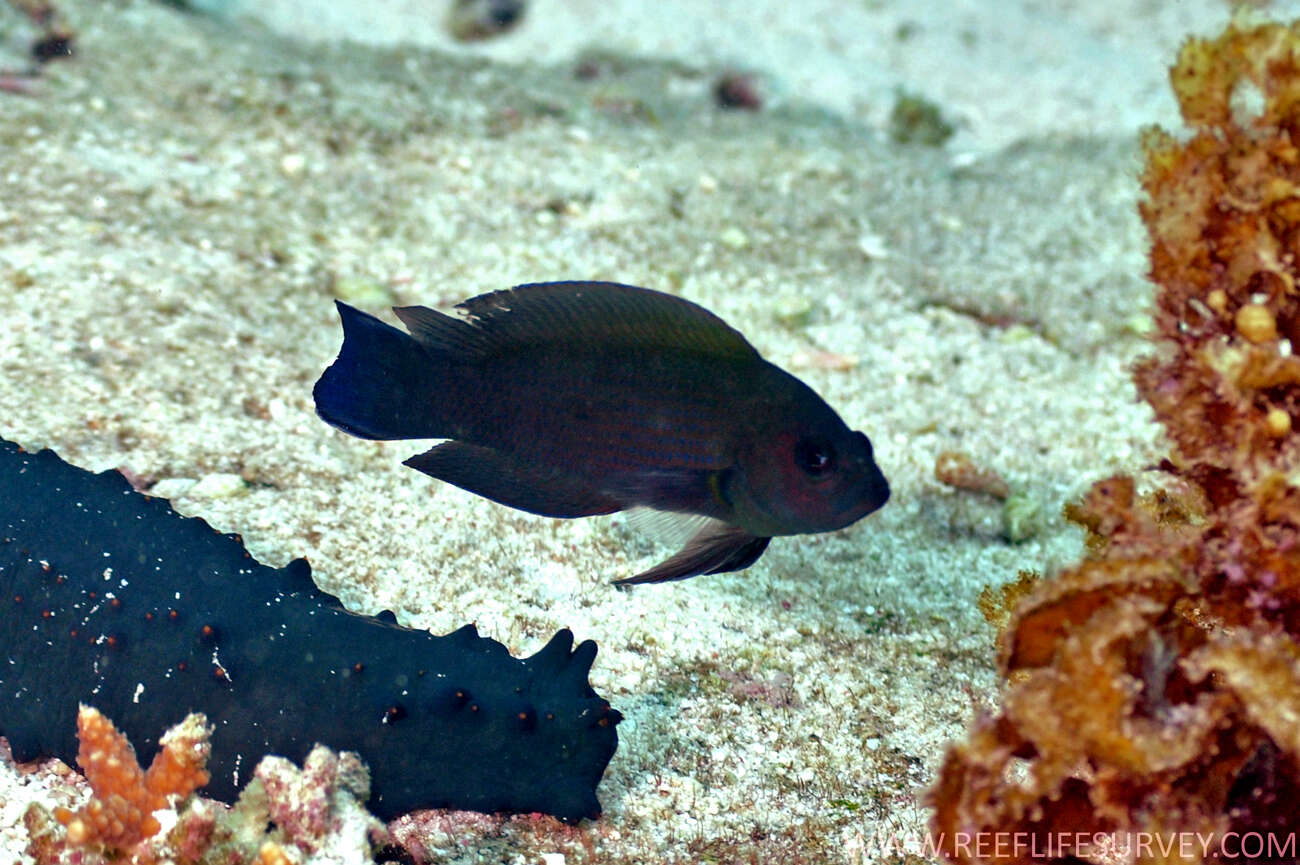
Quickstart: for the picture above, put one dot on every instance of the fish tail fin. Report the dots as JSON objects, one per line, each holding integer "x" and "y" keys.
{"x": 383, "y": 383}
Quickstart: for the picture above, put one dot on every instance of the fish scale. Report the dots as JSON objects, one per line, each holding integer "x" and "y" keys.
{"x": 634, "y": 429}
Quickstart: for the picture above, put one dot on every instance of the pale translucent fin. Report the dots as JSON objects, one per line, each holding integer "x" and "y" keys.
{"x": 670, "y": 528}
{"x": 715, "y": 549}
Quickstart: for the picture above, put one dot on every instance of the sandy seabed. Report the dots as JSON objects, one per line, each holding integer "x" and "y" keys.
{"x": 180, "y": 203}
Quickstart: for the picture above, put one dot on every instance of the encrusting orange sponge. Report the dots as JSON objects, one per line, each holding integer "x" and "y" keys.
{"x": 1152, "y": 691}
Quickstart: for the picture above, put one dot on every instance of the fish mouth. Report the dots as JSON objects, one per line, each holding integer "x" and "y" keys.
{"x": 878, "y": 489}
{"x": 873, "y": 488}
{"x": 870, "y": 495}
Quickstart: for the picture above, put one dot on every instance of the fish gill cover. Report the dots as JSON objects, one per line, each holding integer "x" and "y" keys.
{"x": 1153, "y": 689}
{"x": 572, "y": 399}
{"x": 111, "y": 598}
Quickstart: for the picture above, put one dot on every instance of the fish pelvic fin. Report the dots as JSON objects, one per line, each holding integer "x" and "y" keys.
{"x": 714, "y": 549}
{"x": 382, "y": 385}
{"x": 519, "y": 484}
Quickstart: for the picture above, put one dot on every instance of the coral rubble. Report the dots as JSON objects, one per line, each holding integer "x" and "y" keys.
{"x": 1153, "y": 690}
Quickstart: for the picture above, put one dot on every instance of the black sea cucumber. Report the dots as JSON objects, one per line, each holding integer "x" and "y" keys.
{"x": 111, "y": 598}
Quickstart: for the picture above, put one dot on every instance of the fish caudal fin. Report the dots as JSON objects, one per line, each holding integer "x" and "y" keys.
{"x": 714, "y": 549}
{"x": 382, "y": 385}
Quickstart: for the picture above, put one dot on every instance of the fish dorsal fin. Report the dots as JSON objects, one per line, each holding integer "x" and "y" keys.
{"x": 604, "y": 314}
{"x": 438, "y": 333}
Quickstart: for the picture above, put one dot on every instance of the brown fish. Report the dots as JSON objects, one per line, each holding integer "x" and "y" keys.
{"x": 570, "y": 399}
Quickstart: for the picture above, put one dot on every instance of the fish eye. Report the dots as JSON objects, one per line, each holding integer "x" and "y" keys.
{"x": 815, "y": 456}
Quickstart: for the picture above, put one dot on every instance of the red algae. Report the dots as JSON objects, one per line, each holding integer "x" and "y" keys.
{"x": 1152, "y": 690}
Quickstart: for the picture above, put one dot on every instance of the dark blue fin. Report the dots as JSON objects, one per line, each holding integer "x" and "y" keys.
{"x": 383, "y": 384}
{"x": 604, "y": 314}
{"x": 493, "y": 475}
{"x": 715, "y": 549}
{"x": 440, "y": 334}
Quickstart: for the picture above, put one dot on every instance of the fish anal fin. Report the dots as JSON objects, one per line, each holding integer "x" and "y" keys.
{"x": 493, "y": 475}
{"x": 714, "y": 549}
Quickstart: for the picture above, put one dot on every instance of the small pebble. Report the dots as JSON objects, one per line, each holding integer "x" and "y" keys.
{"x": 1278, "y": 423}
{"x": 734, "y": 238}
{"x": 53, "y": 46}
{"x": 1016, "y": 333}
{"x": 172, "y": 488}
{"x": 1256, "y": 323}
{"x": 793, "y": 310}
{"x": 292, "y": 164}
{"x": 218, "y": 486}
{"x": 1140, "y": 324}
{"x": 1020, "y": 518}
{"x": 738, "y": 90}
{"x": 472, "y": 20}
{"x": 873, "y": 246}
{"x": 819, "y": 359}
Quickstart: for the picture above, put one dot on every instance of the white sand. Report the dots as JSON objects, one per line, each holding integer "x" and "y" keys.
{"x": 1006, "y": 70}
{"x": 179, "y": 205}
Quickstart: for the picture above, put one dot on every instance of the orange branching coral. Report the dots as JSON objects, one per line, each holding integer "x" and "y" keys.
{"x": 1152, "y": 705}
{"x": 120, "y": 813}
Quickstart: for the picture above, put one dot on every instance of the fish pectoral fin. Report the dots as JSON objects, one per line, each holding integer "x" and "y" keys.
{"x": 669, "y": 528}
{"x": 489, "y": 473}
{"x": 714, "y": 549}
